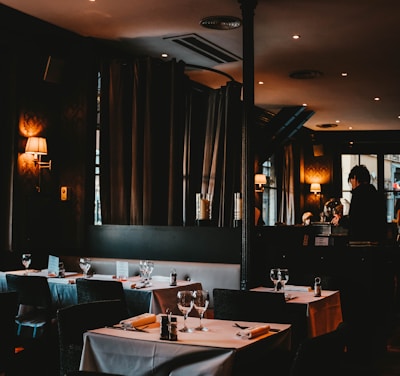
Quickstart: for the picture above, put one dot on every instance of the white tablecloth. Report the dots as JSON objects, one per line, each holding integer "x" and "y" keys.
{"x": 323, "y": 313}
{"x": 155, "y": 298}
{"x": 214, "y": 352}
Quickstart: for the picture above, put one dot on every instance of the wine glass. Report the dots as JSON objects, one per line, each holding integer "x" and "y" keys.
{"x": 84, "y": 264}
{"x": 26, "y": 260}
{"x": 149, "y": 270}
{"x": 275, "y": 277}
{"x": 185, "y": 305}
{"x": 201, "y": 300}
{"x": 142, "y": 270}
{"x": 284, "y": 277}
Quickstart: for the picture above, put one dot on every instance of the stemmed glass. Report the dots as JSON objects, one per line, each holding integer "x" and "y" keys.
{"x": 275, "y": 276}
{"x": 142, "y": 270}
{"x": 201, "y": 300}
{"x": 185, "y": 305}
{"x": 26, "y": 261}
{"x": 84, "y": 264}
{"x": 149, "y": 270}
{"x": 284, "y": 277}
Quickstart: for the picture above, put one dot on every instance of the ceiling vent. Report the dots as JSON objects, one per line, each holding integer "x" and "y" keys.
{"x": 205, "y": 48}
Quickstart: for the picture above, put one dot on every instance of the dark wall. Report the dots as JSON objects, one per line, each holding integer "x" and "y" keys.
{"x": 200, "y": 244}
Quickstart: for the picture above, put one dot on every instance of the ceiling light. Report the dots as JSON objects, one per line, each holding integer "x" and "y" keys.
{"x": 164, "y": 55}
{"x": 296, "y": 36}
{"x": 377, "y": 99}
{"x": 344, "y": 74}
{"x": 221, "y": 22}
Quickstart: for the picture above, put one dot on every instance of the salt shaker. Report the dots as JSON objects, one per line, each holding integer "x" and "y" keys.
{"x": 317, "y": 286}
{"x": 172, "y": 328}
{"x": 172, "y": 277}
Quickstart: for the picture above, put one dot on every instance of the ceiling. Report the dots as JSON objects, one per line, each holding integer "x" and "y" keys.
{"x": 360, "y": 38}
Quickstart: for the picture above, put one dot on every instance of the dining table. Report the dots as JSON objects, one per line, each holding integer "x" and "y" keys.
{"x": 322, "y": 314}
{"x": 156, "y": 297}
{"x": 219, "y": 351}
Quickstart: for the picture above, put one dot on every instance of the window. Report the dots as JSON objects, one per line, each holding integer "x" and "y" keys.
{"x": 390, "y": 179}
{"x": 269, "y": 196}
{"x": 97, "y": 201}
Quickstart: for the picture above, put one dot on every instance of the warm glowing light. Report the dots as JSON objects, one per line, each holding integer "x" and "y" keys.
{"x": 315, "y": 188}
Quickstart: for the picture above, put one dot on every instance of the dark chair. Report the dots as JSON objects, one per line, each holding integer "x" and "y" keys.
{"x": 75, "y": 320}
{"x": 35, "y": 303}
{"x": 324, "y": 354}
{"x": 91, "y": 290}
{"x": 90, "y": 373}
{"x": 246, "y": 305}
{"x": 8, "y": 304}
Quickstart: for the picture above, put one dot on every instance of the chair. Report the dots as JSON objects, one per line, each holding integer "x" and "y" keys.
{"x": 75, "y": 320}
{"x": 8, "y": 304}
{"x": 34, "y": 300}
{"x": 91, "y": 290}
{"x": 248, "y": 305}
{"x": 324, "y": 354}
{"x": 90, "y": 373}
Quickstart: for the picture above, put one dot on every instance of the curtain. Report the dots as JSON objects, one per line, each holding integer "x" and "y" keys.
{"x": 142, "y": 142}
{"x": 214, "y": 152}
{"x": 164, "y": 138}
{"x": 287, "y": 209}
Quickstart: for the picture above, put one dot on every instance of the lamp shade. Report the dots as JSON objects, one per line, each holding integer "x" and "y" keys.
{"x": 260, "y": 179}
{"x": 36, "y": 145}
{"x": 315, "y": 188}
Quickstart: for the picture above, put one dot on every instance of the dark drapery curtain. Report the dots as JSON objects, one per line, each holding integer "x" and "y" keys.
{"x": 218, "y": 143}
{"x": 164, "y": 138}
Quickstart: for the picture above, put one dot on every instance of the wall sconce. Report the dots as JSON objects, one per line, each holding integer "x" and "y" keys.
{"x": 315, "y": 188}
{"x": 260, "y": 180}
{"x": 38, "y": 147}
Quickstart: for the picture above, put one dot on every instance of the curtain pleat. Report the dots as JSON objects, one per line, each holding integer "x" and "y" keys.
{"x": 287, "y": 210}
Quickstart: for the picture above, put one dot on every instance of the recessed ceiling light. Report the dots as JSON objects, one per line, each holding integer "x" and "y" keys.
{"x": 261, "y": 82}
{"x": 377, "y": 99}
{"x": 164, "y": 55}
{"x": 344, "y": 74}
{"x": 296, "y": 36}
{"x": 221, "y": 22}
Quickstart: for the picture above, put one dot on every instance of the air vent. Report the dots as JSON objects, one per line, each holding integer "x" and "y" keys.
{"x": 306, "y": 74}
{"x": 205, "y": 48}
{"x": 326, "y": 125}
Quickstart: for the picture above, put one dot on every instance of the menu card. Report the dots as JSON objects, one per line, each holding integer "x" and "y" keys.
{"x": 122, "y": 270}
{"x": 53, "y": 266}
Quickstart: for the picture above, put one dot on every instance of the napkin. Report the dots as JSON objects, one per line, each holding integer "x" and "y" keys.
{"x": 140, "y": 320}
{"x": 298, "y": 288}
{"x": 254, "y": 331}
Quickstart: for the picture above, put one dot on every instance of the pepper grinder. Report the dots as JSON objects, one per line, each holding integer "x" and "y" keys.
{"x": 317, "y": 286}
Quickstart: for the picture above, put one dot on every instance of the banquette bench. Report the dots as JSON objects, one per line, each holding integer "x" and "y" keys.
{"x": 211, "y": 275}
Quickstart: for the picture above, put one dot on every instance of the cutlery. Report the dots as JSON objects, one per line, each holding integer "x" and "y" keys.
{"x": 130, "y": 328}
{"x": 246, "y": 327}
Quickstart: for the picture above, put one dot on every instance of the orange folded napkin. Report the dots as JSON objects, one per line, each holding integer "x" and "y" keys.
{"x": 254, "y": 331}
{"x": 298, "y": 288}
{"x": 140, "y": 320}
